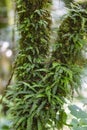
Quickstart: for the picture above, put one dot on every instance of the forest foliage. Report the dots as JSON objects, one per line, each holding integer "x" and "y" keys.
{"x": 44, "y": 81}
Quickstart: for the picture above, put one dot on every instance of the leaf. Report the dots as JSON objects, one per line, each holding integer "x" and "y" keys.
{"x": 48, "y": 92}
{"x": 20, "y": 120}
{"x": 34, "y": 107}
{"x": 58, "y": 99}
{"x": 5, "y": 127}
{"x": 55, "y": 64}
{"x": 80, "y": 128}
{"x": 39, "y": 124}
{"x": 83, "y": 122}
{"x": 40, "y": 95}
{"x": 41, "y": 106}
{"x": 74, "y": 122}
{"x": 41, "y": 70}
{"x": 26, "y": 84}
{"x": 28, "y": 96}
{"x": 29, "y": 123}
{"x": 55, "y": 89}
{"x": 77, "y": 112}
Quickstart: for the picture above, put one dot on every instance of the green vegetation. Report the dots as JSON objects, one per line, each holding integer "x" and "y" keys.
{"x": 3, "y": 14}
{"x": 68, "y": 2}
{"x": 43, "y": 81}
{"x": 79, "y": 120}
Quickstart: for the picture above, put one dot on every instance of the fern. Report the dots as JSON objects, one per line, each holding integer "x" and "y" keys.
{"x": 43, "y": 83}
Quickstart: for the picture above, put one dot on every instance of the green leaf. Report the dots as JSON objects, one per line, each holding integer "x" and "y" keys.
{"x": 80, "y": 128}
{"x": 41, "y": 106}
{"x": 58, "y": 99}
{"x": 34, "y": 107}
{"x": 55, "y": 64}
{"x": 20, "y": 120}
{"x": 26, "y": 84}
{"x": 40, "y": 125}
{"x": 77, "y": 112}
{"x": 48, "y": 92}
{"x": 74, "y": 122}
{"x": 83, "y": 122}
{"x": 40, "y": 95}
{"x": 29, "y": 123}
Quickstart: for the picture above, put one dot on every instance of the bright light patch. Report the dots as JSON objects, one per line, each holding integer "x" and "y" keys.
{"x": 5, "y": 45}
{"x": 8, "y": 53}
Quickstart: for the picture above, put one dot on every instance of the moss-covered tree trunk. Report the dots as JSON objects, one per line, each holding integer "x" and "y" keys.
{"x": 43, "y": 82}
{"x": 30, "y": 103}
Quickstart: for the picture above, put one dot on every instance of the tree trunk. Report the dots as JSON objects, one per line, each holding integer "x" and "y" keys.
{"x": 43, "y": 82}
